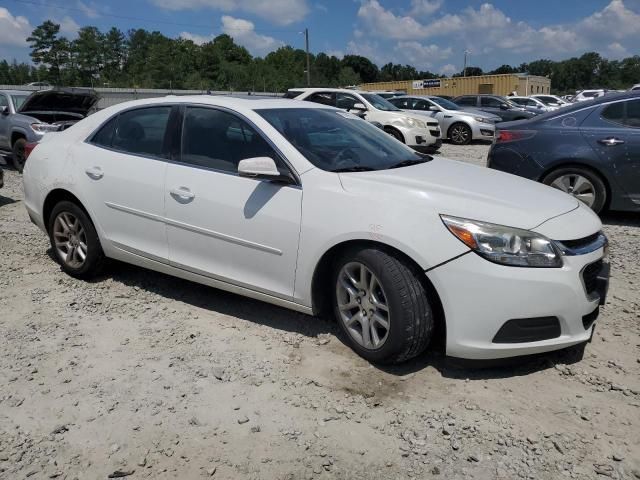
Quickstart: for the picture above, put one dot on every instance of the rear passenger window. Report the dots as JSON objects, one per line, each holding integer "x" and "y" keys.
{"x": 219, "y": 140}
{"x": 614, "y": 112}
{"x": 633, "y": 114}
{"x": 470, "y": 101}
{"x": 104, "y": 136}
{"x": 142, "y": 131}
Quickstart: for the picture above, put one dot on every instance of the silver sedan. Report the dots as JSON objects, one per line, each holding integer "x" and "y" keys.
{"x": 458, "y": 124}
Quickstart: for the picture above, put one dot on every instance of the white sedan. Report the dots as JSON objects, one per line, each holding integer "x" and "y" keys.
{"x": 314, "y": 209}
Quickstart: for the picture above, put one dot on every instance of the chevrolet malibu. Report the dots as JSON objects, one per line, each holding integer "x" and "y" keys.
{"x": 312, "y": 208}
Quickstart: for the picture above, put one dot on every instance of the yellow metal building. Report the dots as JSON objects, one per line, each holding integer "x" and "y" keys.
{"x": 495, "y": 84}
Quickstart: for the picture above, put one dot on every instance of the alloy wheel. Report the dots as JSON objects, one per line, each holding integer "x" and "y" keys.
{"x": 459, "y": 134}
{"x": 578, "y": 186}
{"x": 70, "y": 239}
{"x": 362, "y": 305}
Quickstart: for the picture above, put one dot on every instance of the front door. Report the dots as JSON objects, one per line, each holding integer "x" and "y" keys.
{"x": 235, "y": 229}
{"x": 122, "y": 179}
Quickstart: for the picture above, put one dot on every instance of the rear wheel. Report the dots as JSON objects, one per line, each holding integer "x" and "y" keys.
{"x": 18, "y": 157}
{"x": 381, "y": 306}
{"x": 582, "y": 183}
{"x": 459, "y": 134}
{"x": 75, "y": 241}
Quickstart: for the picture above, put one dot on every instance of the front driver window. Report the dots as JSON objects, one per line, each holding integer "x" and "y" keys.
{"x": 219, "y": 140}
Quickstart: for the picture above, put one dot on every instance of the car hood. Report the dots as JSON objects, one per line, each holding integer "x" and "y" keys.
{"x": 454, "y": 188}
{"x": 72, "y": 100}
{"x": 475, "y": 112}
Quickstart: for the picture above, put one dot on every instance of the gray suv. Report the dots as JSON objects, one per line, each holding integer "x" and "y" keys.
{"x": 25, "y": 117}
{"x": 495, "y": 104}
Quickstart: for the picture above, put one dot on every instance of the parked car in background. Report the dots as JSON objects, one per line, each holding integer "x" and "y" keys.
{"x": 584, "y": 95}
{"x": 495, "y": 105}
{"x": 551, "y": 101}
{"x": 589, "y": 150}
{"x": 39, "y": 84}
{"x": 635, "y": 87}
{"x": 531, "y": 104}
{"x": 458, "y": 125}
{"x": 25, "y": 117}
{"x": 568, "y": 98}
{"x": 411, "y": 129}
{"x": 388, "y": 93}
{"x": 313, "y": 209}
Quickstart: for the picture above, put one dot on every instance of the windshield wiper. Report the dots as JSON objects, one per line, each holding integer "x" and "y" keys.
{"x": 355, "y": 168}
{"x": 406, "y": 163}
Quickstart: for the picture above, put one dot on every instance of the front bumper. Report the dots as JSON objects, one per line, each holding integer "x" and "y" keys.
{"x": 419, "y": 137}
{"x": 428, "y": 148}
{"x": 482, "y": 131}
{"x": 480, "y": 297}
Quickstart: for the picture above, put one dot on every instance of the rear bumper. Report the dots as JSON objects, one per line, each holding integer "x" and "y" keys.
{"x": 509, "y": 160}
{"x": 479, "y": 298}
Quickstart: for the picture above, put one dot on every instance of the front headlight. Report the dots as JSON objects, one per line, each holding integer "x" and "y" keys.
{"x": 44, "y": 127}
{"x": 505, "y": 245}
{"x": 482, "y": 120}
{"x": 413, "y": 122}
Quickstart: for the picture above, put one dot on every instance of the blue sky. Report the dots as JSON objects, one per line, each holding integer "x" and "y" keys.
{"x": 429, "y": 34}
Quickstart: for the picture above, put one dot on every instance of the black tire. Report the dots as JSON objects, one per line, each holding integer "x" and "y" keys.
{"x": 95, "y": 258}
{"x": 411, "y": 320}
{"x": 459, "y": 134}
{"x": 600, "y": 190}
{"x": 394, "y": 133}
{"x": 18, "y": 158}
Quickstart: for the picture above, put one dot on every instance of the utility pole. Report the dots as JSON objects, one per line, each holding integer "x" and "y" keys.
{"x": 306, "y": 44}
{"x": 464, "y": 70}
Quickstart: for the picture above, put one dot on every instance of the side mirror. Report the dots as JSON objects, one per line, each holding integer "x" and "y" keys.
{"x": 433, "y": 108}
{"x": 262, "y": 168}
{"x": 358, "y": 106}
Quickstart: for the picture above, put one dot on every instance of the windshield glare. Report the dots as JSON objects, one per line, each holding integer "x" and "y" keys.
{"x": 333, "y": 140}
{"x": 18, "y": 100}
{"x": 444, "y": 103}
{"x": 380, "y": 103}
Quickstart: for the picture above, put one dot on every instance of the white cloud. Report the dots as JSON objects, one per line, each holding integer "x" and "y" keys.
{"x": 421, "y": 56}
{"x": 448, "y": 69}
{"x": 617, "y": 50}
{"x": 68, "y": 27}
{"x": 281, "y": 12}
{"x": 195, "y": 38}
{"x": 13, "y": 30}
{"x": 243, "y": 32}
{"x": 424, "y": 7}
{"x": 335, "y": 53}
{"x": 388, "y": 25}
{"x": 89, "y": 10}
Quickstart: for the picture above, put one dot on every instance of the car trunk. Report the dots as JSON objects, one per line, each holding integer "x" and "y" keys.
{"x": 63, "y": 107}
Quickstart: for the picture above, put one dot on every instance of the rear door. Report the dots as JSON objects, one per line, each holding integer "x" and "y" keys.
{"x": 122, "y": 173}
{"x": 613, "y": 131}
{"x": 4, "y": 121}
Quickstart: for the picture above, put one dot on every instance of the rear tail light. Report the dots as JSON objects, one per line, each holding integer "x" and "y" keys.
{"x": 28, "y": 148}
{"x": 505, "y": 136}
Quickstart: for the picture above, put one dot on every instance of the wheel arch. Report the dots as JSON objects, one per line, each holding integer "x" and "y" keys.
{"x": 17, "y": 135}
{"x": 391, "y": 128}
{"x": 569, "y": 163}
{"x": 321, "y": 297}
{"x": 56, "y": 196}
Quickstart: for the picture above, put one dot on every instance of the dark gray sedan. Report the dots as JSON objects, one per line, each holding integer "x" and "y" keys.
{"x": 496, "y": 105}
{"x": 590, "y": 150}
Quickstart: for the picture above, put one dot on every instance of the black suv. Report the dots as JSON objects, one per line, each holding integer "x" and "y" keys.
{"x": 495, "y": 104}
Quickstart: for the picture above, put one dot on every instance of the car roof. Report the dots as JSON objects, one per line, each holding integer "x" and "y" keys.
{"x": 249, "y": 102}
{"x": 17, "y": 92}
{"x": 319, "y": 89}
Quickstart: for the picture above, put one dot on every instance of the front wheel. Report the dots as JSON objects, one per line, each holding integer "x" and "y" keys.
{"x": 583, "y": 184}
{"x": 75, "y": 241}
{"x": 460, "y": 134}
{"x": 395, "y": 134}
{"x": 381, "y": 306}
{"x": 18, "y": 157}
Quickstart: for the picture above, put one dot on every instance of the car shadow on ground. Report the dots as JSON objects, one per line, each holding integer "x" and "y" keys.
{"x": 627, "y": 219}
{"x": 6, "y": 200}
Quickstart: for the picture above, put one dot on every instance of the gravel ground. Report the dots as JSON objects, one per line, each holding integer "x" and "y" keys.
{"x": 141, "y": 374}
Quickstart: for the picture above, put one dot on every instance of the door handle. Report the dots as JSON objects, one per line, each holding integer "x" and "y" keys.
{"x": 182, "y": 193}
{"x": 95, "y": 173}
{"x": 611, "y": 141}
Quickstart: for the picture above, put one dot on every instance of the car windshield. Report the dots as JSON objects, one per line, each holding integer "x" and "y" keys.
{"x": 444, "y": 103}
{"x": 339, "y": 141}
{"x": 18, "y": 100}
{"x": 380, "y": 103}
